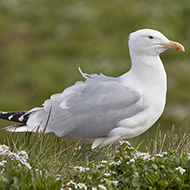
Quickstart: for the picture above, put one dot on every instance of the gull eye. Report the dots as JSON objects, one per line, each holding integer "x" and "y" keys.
{"x": 150, "y": 37}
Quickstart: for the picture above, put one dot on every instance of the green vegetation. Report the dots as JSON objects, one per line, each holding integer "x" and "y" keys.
{"x": 35, "y": 162}
{"x": 43, "y": 42}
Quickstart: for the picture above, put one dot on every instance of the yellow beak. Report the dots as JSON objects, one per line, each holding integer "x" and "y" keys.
{"x": 174, "y": 45}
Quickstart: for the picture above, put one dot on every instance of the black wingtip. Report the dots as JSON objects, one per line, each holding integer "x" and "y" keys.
{"x": 20, "y": 117}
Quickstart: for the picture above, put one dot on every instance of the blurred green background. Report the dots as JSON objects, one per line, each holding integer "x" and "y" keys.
{"x": 42, "y": 42}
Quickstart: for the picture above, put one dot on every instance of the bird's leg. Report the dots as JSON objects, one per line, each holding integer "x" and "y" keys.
{"x": 115, "y": 146}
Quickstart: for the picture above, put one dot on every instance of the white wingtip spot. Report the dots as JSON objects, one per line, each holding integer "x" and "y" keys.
{"x": 10, "y": 117}
{"x": 21, "y": 118}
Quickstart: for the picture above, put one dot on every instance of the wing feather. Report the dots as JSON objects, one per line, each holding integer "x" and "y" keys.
{"x": 92, "y": 110}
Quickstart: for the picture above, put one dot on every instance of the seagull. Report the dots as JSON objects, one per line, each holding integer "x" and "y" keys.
{"x": 103, "y": 110}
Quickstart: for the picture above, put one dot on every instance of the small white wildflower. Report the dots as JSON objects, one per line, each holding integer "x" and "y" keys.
{"x": 81, "y": 185}
{"x": 115, "y": 183}
{"x": 126, "y": 156}
{"x": 2, "y": 163}
{"x": 118, "y": 162}
{"x": 111, "y": 163}
{"x": 2, "y": 170}
{"x": 13, "y": 156}
{"x": 124, "y": 142}
{"x": 181, "y": 170}
{"x": 107, "y": 174}
{"x": 115, "y": 163}
{"x": 162, "y": 154}
{"x": 21, "y": 156}
{"x": 159, "y": 155}
{"x": 41, "y": 171}
{"x": 78, "y": 148}
{"x": 27, "y": 165}
{"x": 102, "y": 187}
{"x": 4, "y": 149}
{"x": 132, "y": 160}
{"x": 58, "y": 176}
{"x": 102, "y": 180}
{"x": 71, "y": 183}
{"x": 142, "y": 155}
{"x": 94, "y": 188}
{"x": 104, "y": 161}
{"x": 81, "y": 169}
{"x": 101, "y": 165}
{"x": 132, "y": 148}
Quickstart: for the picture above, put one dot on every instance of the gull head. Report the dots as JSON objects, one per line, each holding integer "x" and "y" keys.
{"x": 151, "y": 42}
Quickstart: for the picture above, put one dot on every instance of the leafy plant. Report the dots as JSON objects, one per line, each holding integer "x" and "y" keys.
{"x": 37, "y": 161}
{"x": 16, "y": 173}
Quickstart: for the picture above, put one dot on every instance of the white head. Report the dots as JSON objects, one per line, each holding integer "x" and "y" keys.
{"x": 150, "y": 42}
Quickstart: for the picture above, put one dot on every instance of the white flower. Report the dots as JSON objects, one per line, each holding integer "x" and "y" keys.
{"x": 181, "y": 170}
{"x": 101, "y": 165}
{"x": 27, "y": 165}
{"x": 71, "y": 183}
{"x": 81, "y": 185}
{"x": 143, "y": 155}
{"x": 78, "y": 148}
{"x": 104, "y": 161}
{"x": 21, "y": 156}
{"x": 2, "y": 163}
{"x": 4, "y": 150}
{"x": 159, "y": 155}
{"x": 115, "y": 163}
{"x": 123, "y": 142}
{"x": 81, "y": 169}
{"x": 118, "y": 162}
{"x": 41, "y": 171}
{"x": 126, "y": 156}
{"x": 102, "y": 187}
{"x": 130, "y": 161}
{"x": 112, "y": 163}
{"x": 58, "y": 176}
{"x": 130, "y": 147}
{"x": 115, "y": 183}
{"x": 94, "y": 188}
{"x": 107, "y": 174}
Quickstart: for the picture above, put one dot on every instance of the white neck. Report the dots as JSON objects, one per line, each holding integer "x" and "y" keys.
{"x": 147, "y": 71}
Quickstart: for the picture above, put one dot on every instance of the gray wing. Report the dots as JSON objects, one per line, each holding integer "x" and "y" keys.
{"x": 93, "y": 109}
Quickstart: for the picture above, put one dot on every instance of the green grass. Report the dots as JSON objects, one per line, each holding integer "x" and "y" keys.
{"x": 53, "y": 163}
{"x": 43, "y": 42}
